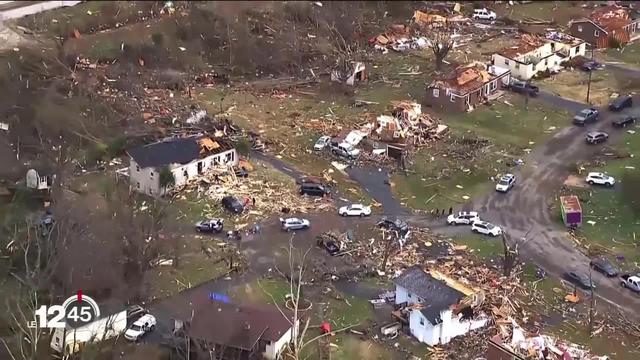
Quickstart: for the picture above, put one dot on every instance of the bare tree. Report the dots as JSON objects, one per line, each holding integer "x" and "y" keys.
{"x": 440, "y": 43}
{"x": 25, "y": 345}
{"x": 510, "y": 255}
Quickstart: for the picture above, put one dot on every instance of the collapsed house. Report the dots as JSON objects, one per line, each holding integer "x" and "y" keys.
{"x": 606, "y": 26}
{"x": 438, "y": 309}
{"x": 399, "y": 39}
{"x": 533, "y": 55}
{"x": 349, "y": 72}
{"x": 186, "y": 158}
{"x": 467, "y": 86}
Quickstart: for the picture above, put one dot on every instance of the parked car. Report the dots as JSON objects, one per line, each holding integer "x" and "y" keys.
{"x": 463, "y": 217}
{"x": 290, "y": 224}
{"x": 600, "y": 179}
{"x": 506, "y": 183}
{"x": 604, "y": 266}
{"x": 140, "y": 327}
{"x": 596, "y": 137}
{"x": 355, "y": 210}
{"x": 395, "y": 225}
{"x": 586, "y": 116}
{"x": 211, "y": 225}
{"x": 314, "y": 189}
{"x": 631, "y": 282}
{"x": 332, "y": 248}
{"x": 322, "y": 143}
{"x": 621, "y": 102}
{"x": 484, "y": 14}
{"x": 345, "y": 150}
{"x": 623, "y": 121}
{"x": 232, "y": 204}
{"x": 590, "y": 65}
{"x": 524, "y": 88}
{"x": 580, "y": 279}
{"x": 485, "y": 228}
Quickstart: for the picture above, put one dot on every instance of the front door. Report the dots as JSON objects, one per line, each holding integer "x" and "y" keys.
{"x": 199, "y": 167}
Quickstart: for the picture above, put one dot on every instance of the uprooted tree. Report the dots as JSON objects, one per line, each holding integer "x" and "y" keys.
{"x": 440, "y": 43}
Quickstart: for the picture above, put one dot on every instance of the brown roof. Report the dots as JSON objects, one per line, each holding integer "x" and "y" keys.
{"x": 611, "y": 17}
{"x": 464, "y": 79}
{"x": 525, "y": 45}
{"x": 570, "y": 203}
{"x": 237, "y": 326}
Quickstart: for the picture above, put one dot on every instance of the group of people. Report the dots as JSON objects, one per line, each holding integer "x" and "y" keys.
{"x": 437, "y": 213}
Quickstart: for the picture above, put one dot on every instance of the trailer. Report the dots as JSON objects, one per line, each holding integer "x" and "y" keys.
{"x": 571, "y": 210}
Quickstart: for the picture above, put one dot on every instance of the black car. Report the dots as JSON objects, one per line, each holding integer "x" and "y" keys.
{"x": 596, "y": 137}
{"x": 314, "y": 189}
{"x": 232, "y": 204}
{"x": 580, "y": 280}
{"x": 621, "y": 102}
{"x": 590, "y": 66}
{"x": 211, "y": 225}
{"x": 623, "y": 121}
{"x": 332, "y": 248}
{"x": 604, "y": 266}
{"x": 524, "y": 88}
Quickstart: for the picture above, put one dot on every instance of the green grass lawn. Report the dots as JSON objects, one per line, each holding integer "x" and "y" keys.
{"x": 480, "y": 246}
{"x": 438, "y": 180}
{"x": 629, "y": 55}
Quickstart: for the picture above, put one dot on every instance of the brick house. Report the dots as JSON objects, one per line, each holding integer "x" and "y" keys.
{"x": 466, "y": 87}
{"x": 605, "y": 24}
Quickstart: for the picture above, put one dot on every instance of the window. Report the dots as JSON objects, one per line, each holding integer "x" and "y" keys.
{"x": 517, "y": 66}
{"x": 137, "y": 168}
{"x": 150, "y": 191}
{"x": 579, "y": 28}
{"x": 596, "y": 33}
{"x": 506, "y": 61}
{"x": 436, "y": 92}
{"x": 421, "y": 321}
{"x": 453, "y": 99}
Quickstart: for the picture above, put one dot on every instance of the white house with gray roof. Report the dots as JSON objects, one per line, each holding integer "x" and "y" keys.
{"x": 186, "y": 158}
{"x": 432, "y": 303}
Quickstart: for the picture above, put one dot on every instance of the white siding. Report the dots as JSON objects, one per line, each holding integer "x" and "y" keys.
{"x": 274, "y": 349}
{"x": 402, "y": 295}
{"x": 519, "y": 71}
{"x": 450, "y": 327}
{"x": 144, "y": 180}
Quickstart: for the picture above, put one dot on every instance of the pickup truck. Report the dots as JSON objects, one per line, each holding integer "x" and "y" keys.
{"x": 630, "y": 282}
{"x": 524, "y": 88}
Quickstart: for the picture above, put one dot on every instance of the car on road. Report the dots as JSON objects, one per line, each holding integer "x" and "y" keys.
{"x": 621, "y": 102}
{"x": 232, "y": 204}
{"x": 484, "y": 14}
{"x": 345, "y": 150}
{"x": 314, "y": 189}
{"x": 623, "y": 121}
{"x": 586, "y": 116}
{"x": 145, "y": 324}
{"x": 486, "y": 228}
{"x": 210, "y": 225}
{"x": 523, "y": 88}
{"x": 600, "y": 179}
{"x": 322, "y": 143}
{"x": 596, "y": 137}
{"x": 506, "y": 183}
{"x": 355, "y": 210}
{"x": 290, "y": 224}
{"x": 590, "y": 66}
{"x": 463, "y": 217}
{"x": 580, "y": 279}
{"x": 604, "y": 266}
{"x": 630, "y": 282}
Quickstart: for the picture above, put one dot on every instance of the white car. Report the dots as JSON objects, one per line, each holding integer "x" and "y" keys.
{"x": 294, "y": 224}
{"x": 345, "y": 150}
{"x": 485, "y": 228}
{"x": 140, "y": 327}
{"x": 463, "y": 217}
{"x": 506, "y": 183}
{"x": 600, "y": 179}
{"x": 355, "y": 210}
{"x": 322, "y": 143}
{"x": 484, "y": 14}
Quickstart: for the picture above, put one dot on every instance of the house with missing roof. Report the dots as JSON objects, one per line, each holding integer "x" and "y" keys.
{"x": 533, "y": 54}
{"x": 438, "y": 312}
{"x": 466, "y": 87}
{"x": 186, "y": 158}
{"x": 238, "y": 332}
{"x": 607, "y": 24}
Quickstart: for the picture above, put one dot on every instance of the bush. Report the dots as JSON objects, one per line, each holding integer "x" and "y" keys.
{"x": 116, "y": 147}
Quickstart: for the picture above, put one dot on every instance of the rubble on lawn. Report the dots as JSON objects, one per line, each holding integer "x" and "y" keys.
{"x": 349, "y": 72}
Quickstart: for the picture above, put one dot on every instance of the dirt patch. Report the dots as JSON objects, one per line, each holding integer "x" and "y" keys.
{"x": 575, "y": 181}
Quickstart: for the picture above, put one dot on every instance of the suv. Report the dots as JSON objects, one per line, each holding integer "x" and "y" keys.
{"x": 232, "y": 204}
{"x": 524, "y": 88}
{"x": 483, "y": 227}
{"x": 600, "y": 179}
{"x": 211, "y": 225}
{"x": 506, "y": 183}
{"x": 345, "y": 150}
{"x": 463, "y": 217}
{"x": 321, "y": 143}
{"x": 596, "y": 137}
{"x": 313, "y": 189}
{"x": 623, "y": 121}
{"x": 483, "y": 14}
{"x": 630, "y": 282}
{"x": 294, "y": 224}
{"x": 586, "y": 116}
{"x": 621, "y": 102}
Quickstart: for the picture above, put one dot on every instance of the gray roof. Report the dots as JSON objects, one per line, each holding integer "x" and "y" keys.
{"x": 171, "y": 151}
{"x": 436, "y": 294}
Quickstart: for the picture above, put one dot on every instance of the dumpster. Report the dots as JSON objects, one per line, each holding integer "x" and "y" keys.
{"x": 571, "y": 210}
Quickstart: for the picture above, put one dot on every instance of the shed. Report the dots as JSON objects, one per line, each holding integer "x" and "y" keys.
{"x": 571, "y": 210}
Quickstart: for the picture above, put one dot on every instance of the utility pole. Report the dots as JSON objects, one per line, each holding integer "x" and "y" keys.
{"x": 589, "y": 82}
{"x": 591, "y": 304}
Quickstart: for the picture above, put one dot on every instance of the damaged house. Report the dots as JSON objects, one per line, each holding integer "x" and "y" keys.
{"x": 186, "y": 158}
{"x": 466, "y": 87}
{"x": 349, "y": 72}
{"x": 438, "y": 310}
{"x": 534, "y": 54}
{"x": 607, "y": 26}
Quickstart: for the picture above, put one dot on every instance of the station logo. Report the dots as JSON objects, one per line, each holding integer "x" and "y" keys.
{"x": 74, "y": 312}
